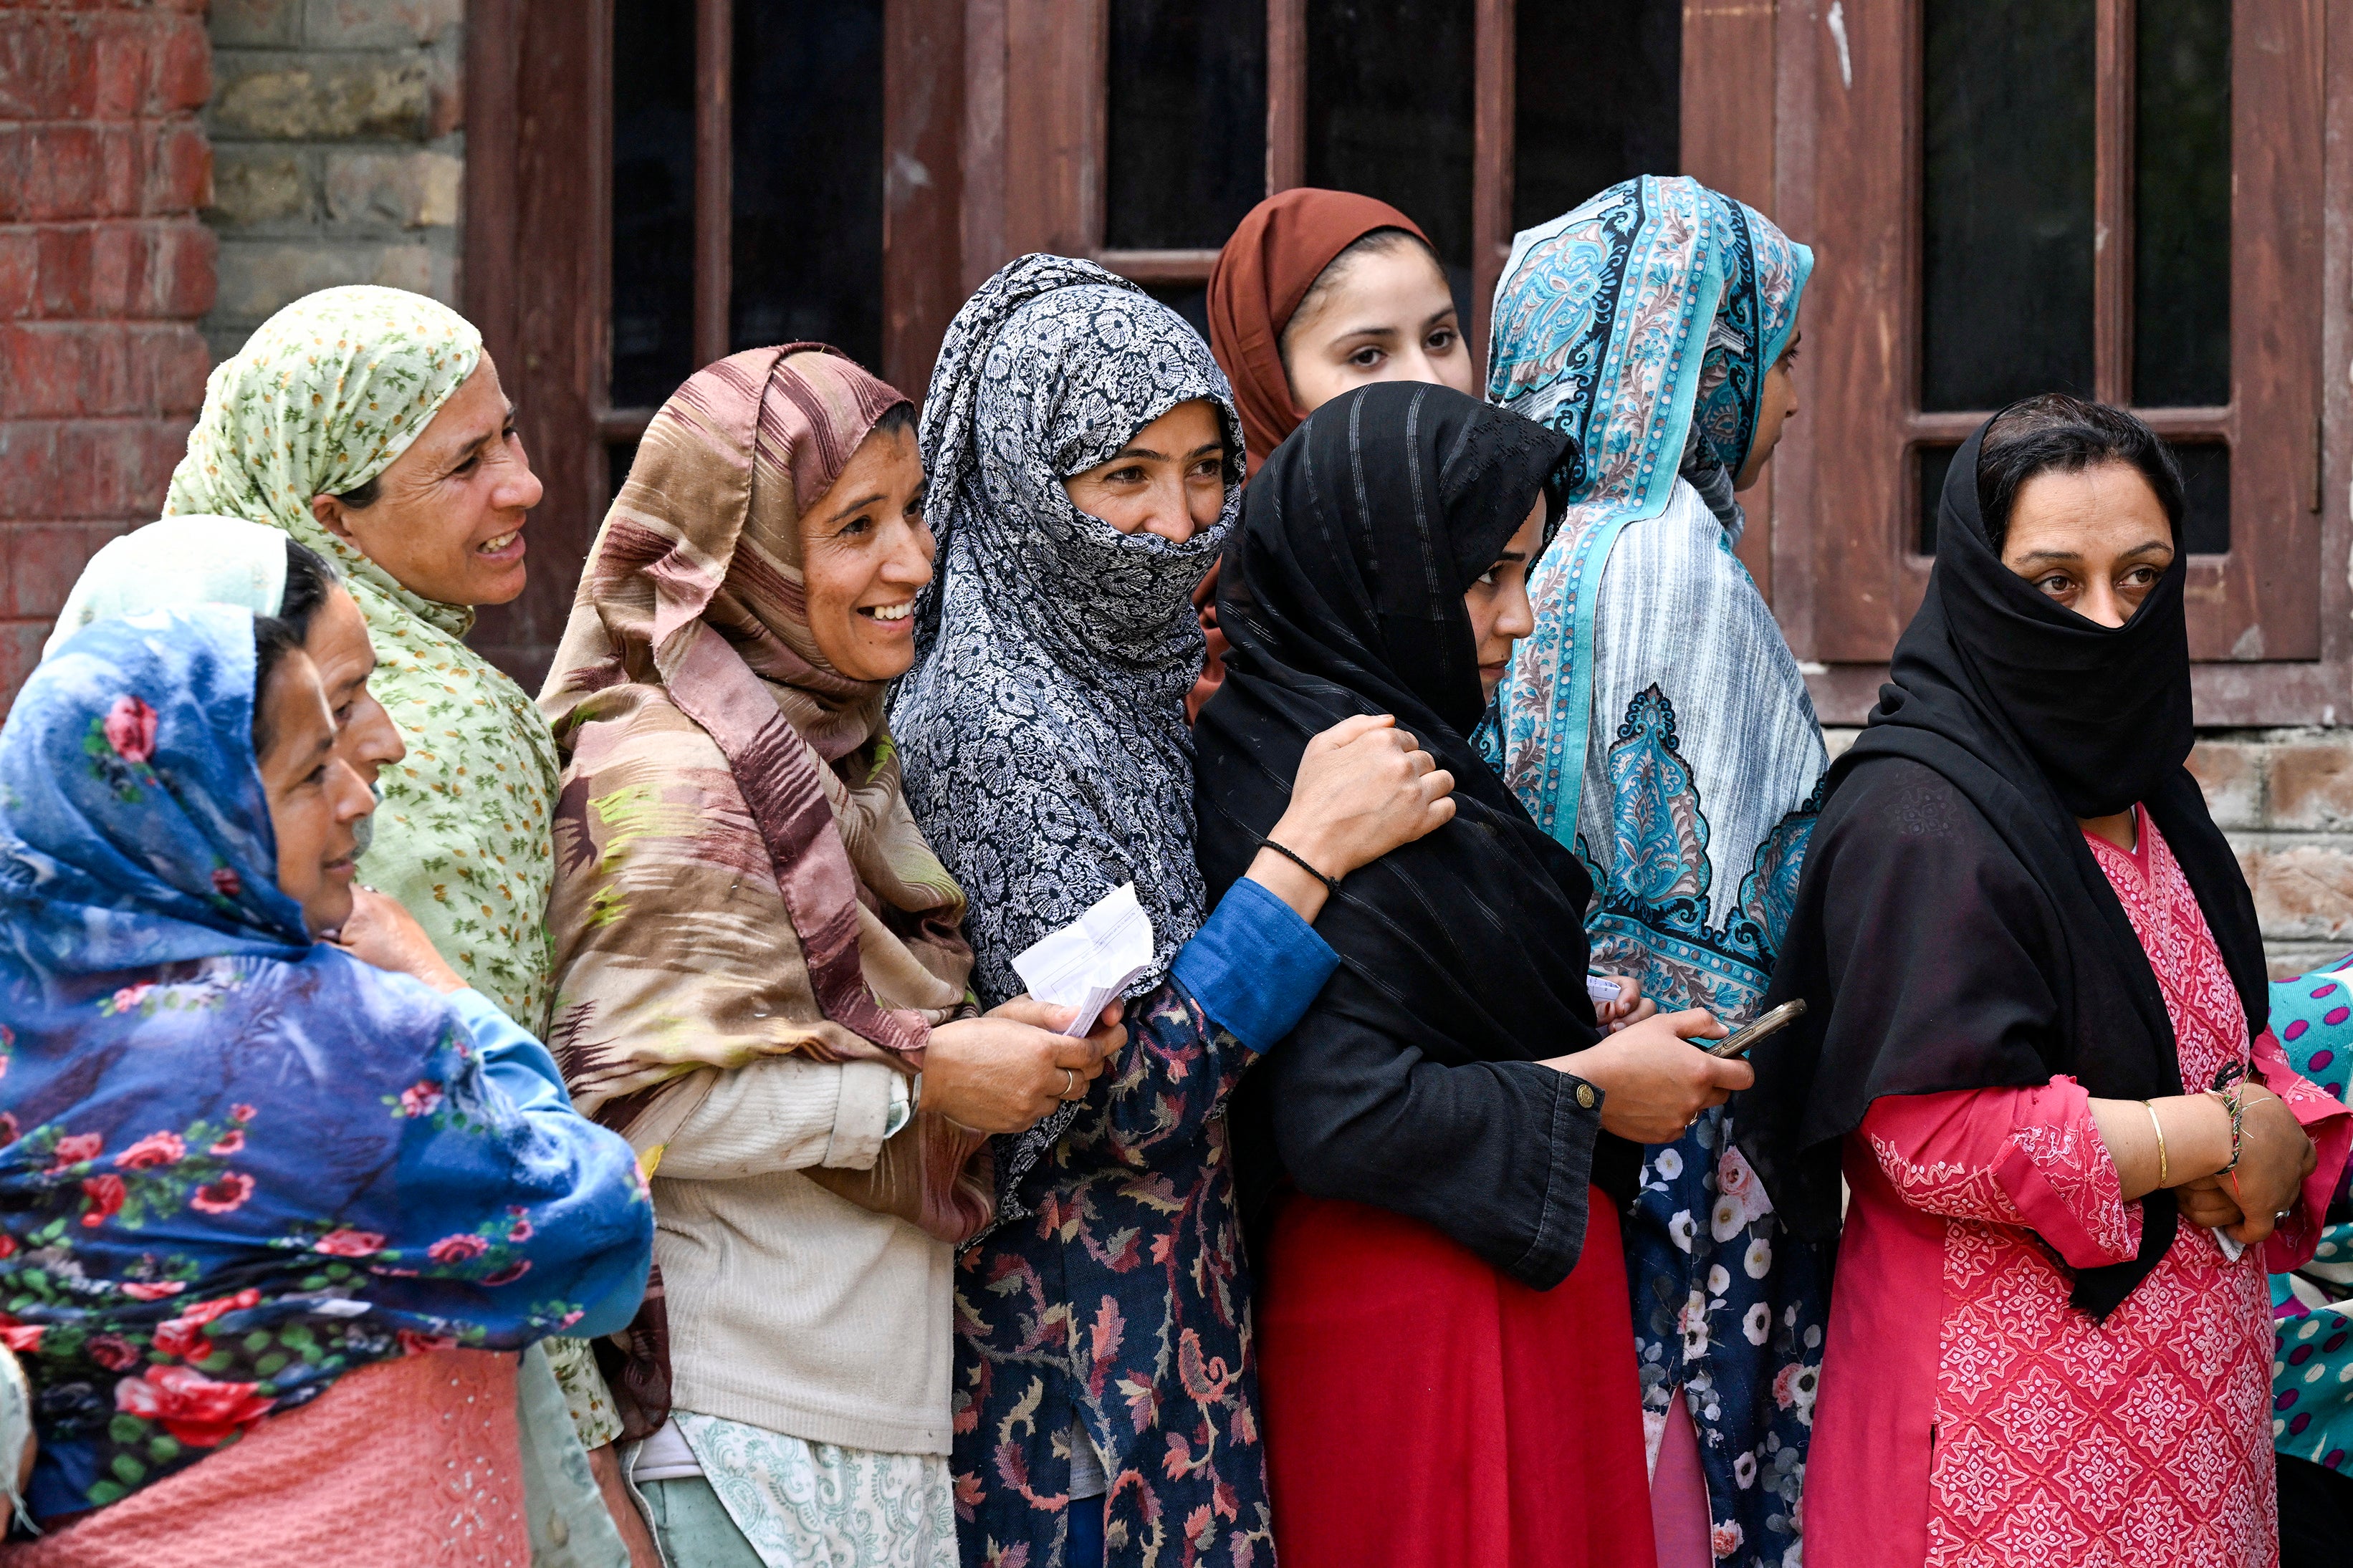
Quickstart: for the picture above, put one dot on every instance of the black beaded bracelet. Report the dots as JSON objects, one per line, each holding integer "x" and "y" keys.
{"x": 1301, "y": 861}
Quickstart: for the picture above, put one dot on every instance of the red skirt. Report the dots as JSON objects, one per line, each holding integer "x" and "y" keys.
{"x": 1424, "y": 1411}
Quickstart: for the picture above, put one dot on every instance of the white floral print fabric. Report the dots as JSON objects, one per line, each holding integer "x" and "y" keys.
{"x": 818, "y": 1505}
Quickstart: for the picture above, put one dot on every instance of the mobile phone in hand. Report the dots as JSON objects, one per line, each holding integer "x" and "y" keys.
{"x": 1738, "y": 1042}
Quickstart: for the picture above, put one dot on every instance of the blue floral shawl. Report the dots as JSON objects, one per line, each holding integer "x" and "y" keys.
{"x": 235, "y": 1164}
{"x": 1657, "y": 725}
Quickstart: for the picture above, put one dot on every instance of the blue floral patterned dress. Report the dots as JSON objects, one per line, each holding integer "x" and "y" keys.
{"x": 2312, "y": 1373}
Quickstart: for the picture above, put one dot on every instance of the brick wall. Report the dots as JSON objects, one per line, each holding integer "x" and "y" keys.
{"x": 337, "y": 153}
{"x": 104, "y": 270}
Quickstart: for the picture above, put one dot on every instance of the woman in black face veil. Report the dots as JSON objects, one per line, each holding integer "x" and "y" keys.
{"x": 2036, "y": 1048}
{"x": 1417, "y": 1156}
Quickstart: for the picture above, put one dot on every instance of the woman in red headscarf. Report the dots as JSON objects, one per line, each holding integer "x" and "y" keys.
{"x": 1318, "y": 291}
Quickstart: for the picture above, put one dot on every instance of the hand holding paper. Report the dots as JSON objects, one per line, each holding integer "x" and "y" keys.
{"x": 1091, "y": 960}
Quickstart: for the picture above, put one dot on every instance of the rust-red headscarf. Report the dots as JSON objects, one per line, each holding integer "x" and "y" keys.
{"x": 1266, "y": 269}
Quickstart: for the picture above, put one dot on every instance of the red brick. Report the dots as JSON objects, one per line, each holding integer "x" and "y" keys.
{"x": 43, "y": 560}
{"x": 45, "y": 372}
{"x": 68, "y": 270}
{"x": 178, "y": 363}
{"x": 118, "y": 46}
{"x": 180, "y": 278}
{"x": 182, "y": 59}
{"x": 28, "y": 457}
{"x": 178, "y": 173}
{"x": 20, "y": 650}
{"x": 119, "y": 467}
{"x": 20, "y": 273}
{"x": 44, "y": 68}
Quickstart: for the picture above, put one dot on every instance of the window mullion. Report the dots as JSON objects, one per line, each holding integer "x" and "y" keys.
{"x": 1491, "y": 162}
{"x": 2115, "y": 63}
{"x": 715, "y": 158}
{"x": 1286, "y": 94}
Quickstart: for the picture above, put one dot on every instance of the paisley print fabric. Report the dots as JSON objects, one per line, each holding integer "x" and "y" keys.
{"x": 236, "y": 1164}
{"x": 2311, "y": 1363}
{"x": 1124, "y": 1300}
{"x": 1042, "y": 728}
{"x": 800, "y": 1504}
{"x": 1657, "y": 724}
{"x": 322, "y": 398}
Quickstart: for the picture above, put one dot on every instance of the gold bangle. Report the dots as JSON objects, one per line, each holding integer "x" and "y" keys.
{"x": 2164, "y": 1172}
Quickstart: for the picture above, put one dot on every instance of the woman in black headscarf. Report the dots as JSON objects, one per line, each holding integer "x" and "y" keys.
{"x": 1417, "y": 1156}
{"x": 2036, "y": 1046}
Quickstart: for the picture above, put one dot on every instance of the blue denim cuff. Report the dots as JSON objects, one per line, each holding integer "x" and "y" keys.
{"x": 1255, "y": 966}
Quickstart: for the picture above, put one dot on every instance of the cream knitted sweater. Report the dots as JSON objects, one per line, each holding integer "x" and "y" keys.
{"x": 791, "y": 1309}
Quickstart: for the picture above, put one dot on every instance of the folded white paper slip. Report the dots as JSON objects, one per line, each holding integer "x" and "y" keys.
{"x": 1091, "y": 960}
{"x": 1602, "y": 989}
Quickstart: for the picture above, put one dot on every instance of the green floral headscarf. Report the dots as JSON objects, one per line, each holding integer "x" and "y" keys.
{"x": 319, "y": 401}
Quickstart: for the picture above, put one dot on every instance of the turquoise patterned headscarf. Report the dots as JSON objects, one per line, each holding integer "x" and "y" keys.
{"x": 1642, "y": 323}
{"x": 323, "y": 398}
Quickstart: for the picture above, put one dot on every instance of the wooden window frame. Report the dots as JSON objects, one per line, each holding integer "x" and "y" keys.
{"x": 2267, "y": 621}
{"x": 537, "y": 271}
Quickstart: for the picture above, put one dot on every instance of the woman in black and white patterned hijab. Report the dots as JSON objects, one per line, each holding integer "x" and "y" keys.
{"x": 1085, "y": 460}
{"x": 1043, "y": 728}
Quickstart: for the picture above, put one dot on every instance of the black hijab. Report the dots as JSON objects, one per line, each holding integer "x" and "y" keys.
{"x": 1412, "y": 1082}
{"x": 1952, "y": 927}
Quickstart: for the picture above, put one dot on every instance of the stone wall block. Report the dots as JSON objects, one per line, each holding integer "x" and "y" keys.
{"x": 261, "y": 182}
{"x": 379, "y": 24}
{"x": 412, "y": 190}
{"x": 2231, "y": 775}
{"x": 2312, "y": 786}
{"x": 275, "y": 96}
{"x": 239, "y": 23}
{"x": 258, "y": 277}
{"x": 2303, "y": 892}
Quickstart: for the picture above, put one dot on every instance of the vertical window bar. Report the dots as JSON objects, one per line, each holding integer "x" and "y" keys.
{"x": 714, "y": 159}
{"x": 1492, "y": 84}
{"x": 1286, "y": 94}
{"x": 2115, "y": 56}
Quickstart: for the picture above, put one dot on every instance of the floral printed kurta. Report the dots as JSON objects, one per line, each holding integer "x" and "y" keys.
{"x": 1969, "y": 1414}
{"x": 1123, "y": 1298}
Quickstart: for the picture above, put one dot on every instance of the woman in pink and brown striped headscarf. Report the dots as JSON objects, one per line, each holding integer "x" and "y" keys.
{"x": 760, "y": 978}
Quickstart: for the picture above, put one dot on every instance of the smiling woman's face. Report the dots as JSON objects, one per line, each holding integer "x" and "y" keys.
{"x": 447, "y": 518}
{"x": 2095, "y": 540}
{"x": 866, "y": 551}
{"x": 1169, "y": 479}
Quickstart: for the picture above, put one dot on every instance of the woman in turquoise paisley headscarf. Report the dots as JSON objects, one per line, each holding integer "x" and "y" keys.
{"x": 2312, "y": 1370}
{"x": 1657, "y": 724}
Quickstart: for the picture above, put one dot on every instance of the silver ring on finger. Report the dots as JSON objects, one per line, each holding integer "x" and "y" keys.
{"x": 1070, "y": 1083}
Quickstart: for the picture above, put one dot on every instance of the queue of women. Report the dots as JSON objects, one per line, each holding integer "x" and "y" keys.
{"x": 442, "y": 1127}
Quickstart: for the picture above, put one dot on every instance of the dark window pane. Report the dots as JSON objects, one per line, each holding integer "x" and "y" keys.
{"x": 2181, "y": 205}
{"x": 809, "y": 175}
{"x": 617, "y": 459}
{"x": 2007, "y": 269}
{"x": 1186, "y": 122}
{"x": 1936, "y": 462}
{"x": 1598, "y": 99}
{"x": 653, "y": 200}
{"x": 1388, "y": 113}
{"x": 2206, "y": 497}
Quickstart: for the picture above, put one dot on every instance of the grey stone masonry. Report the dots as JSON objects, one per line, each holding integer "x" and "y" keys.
{"x": 2285, "y": 799}
{"x": 338, "y": 153}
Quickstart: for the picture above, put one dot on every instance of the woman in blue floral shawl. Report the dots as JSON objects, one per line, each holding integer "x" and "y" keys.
{"x": 1657, "y": 724}
{"x": 239, "y": 1164}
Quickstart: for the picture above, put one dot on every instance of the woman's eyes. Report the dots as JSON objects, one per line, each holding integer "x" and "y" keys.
{"x": 1131, "y": 474}
{"x": 1442, "y": 339}
{"x": 1366, "y": 358}
{"x": 854, "y": 527}
{"x": 2056, "y": 585}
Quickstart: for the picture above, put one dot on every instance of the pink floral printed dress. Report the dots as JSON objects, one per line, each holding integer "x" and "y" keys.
{"x": 1968, "y": 1414}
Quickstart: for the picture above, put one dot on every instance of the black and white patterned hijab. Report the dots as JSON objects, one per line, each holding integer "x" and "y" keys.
{"x": 1043, "y": 728}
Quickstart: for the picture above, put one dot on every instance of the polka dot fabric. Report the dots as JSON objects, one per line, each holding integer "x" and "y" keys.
{"x": 2312, "y": 1369}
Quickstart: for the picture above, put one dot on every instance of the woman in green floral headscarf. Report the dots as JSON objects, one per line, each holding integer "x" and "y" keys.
{"x": 369, "y": 424}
